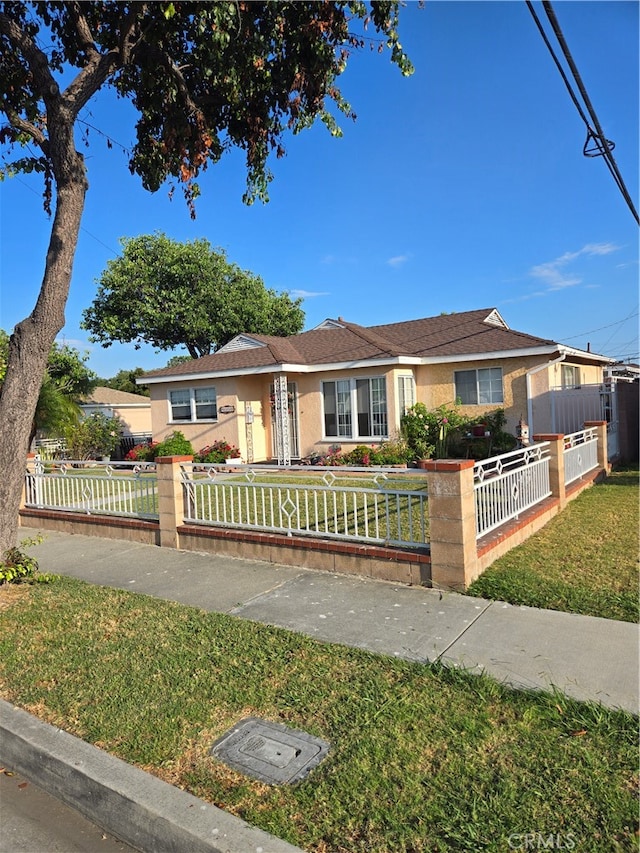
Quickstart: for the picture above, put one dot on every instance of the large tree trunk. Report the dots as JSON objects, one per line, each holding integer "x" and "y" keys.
{"x": 31, "y": 340}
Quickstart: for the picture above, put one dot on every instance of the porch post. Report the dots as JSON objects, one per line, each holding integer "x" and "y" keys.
{"x": 283, "y": 445}
{"x": 556, "y": 465}
{"x": 170, "y": 500}
{"x": 452, "y": 523}
{"x": 603, "y": 452}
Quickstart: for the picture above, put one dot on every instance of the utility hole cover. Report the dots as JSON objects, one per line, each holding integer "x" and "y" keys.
{"x": 270, "y": 752}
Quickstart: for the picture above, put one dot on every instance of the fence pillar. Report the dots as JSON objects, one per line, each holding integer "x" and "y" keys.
{"x": 31, "y": 457}
{"x": 170, "y": 500}
{"x": 452, "y": 523}
{"x": 556, "y": 465}
{"x": 603, "y": 452}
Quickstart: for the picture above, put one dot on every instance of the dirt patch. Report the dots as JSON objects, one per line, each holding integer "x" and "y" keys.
{"x": 12, "y": 593}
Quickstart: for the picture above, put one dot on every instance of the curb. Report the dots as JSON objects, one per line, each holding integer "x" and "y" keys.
{"x": 136, "y": 807}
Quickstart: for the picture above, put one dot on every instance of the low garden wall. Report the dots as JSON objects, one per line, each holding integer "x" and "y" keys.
{"x": 453, "y": 558}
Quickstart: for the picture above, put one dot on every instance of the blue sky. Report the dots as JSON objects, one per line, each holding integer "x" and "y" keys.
{"x": 461, "y": 187}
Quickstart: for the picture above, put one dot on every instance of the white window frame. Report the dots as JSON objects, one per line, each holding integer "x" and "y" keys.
{"x": 406, "y": 393}
{"x": 569, "y": 376}
{"x": 494, "y": 397}
{"x": 193, "y": 404}
{"x": 347, "y": 412}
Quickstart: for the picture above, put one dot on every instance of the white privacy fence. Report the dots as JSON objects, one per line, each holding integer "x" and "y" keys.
{"x": 580, "y": 454}
{"x": 507, "y": 485}
{"x": 571, "y": 407}
{"x": 92, "y": 488}
{"x": 382, "y": 513}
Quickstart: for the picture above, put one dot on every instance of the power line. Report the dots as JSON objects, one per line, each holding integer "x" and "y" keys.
{"x": 604, "y": 147}
{"x": 600, "y": 328}
{"x": 82, "y": 228}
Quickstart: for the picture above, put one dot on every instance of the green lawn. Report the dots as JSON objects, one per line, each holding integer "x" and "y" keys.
{"x": 584, "y": 561}
{"x": 422, "y": 758}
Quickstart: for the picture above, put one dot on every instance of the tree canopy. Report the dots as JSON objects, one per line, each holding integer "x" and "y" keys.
{"x": 172, "y": 294}
{"x": 66, "y": 381}
{"x": 202, "y": 77}
{"x": 125, "y": 380}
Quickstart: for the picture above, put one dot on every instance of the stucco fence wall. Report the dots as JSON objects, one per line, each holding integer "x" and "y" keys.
{"x": 453, "y": 559}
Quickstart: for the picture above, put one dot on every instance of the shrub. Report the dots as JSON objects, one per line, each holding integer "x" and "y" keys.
{"x": 18, "y": 567}
{"x": 390, "y": 452}
{"x": 394, "y": 451}
{"x": 174, "y": 445}
{"x": 218, "y": 452}
{"x": 94, "y": 436}
{"x": 142, "y": 452}
{"x": 427, "y": 432}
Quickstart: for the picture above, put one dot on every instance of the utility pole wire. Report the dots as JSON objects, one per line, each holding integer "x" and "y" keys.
{"x": 591, "y": 134}
{"x": 551, "y": 15}
{"x": 597, "y": 135}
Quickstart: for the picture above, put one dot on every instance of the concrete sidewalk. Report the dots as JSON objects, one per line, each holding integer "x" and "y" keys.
{"x": 585, "y": 657}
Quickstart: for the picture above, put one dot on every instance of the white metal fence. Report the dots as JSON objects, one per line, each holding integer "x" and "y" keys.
{"x": 580, "y": 454}
{"x": 51, "y": 448}
{"x": 80, "y": 486}
{"x": 507, "y": 485}
{"x": 381, "y": 513}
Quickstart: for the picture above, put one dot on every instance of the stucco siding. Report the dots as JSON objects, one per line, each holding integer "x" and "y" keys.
{"x": 435, "y": 386}
{"x": 199, "y": 433}
{"x": 135, "y": 419}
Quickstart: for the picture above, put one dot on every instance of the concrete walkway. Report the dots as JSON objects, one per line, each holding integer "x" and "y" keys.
{"x": 585, "y": 657}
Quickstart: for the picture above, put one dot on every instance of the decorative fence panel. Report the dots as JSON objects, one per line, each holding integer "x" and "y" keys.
{"x": 92, "y": 488}
{"x": 580, "y": 454}
{"x": 383, "y": 513}
{"x": 507, "y": 485}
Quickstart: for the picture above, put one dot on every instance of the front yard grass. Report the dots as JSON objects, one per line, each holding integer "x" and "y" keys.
{"x": 423, "y": 758}
{"x": 584, "y": 561}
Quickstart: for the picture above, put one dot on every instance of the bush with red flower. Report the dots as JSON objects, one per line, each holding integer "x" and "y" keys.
{"x": 142, "y": 452}
{"x": 217, "y": 452}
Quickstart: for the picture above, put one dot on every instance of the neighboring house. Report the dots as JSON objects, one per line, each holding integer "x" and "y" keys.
{"x": 134, "y": 410}
{"x": 623, "y": 371}
{"x": 341, "y": 383}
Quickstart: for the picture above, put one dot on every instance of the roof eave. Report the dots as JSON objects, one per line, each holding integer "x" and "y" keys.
{"x": 551, "y": 349}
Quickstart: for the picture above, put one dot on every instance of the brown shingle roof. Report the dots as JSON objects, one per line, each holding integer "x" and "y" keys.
{"x": 462, "y": 334}
{"x": 111, "y": 397}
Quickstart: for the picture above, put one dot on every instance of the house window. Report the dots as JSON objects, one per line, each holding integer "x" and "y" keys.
{"x": 180, "y": 405}
{"x": 406, "y": 393}
{"x": 366, "y": 397}
{"x": 479, "y": 387}
{"x": 570, "y": 376}
{"x": 193, "y": 404}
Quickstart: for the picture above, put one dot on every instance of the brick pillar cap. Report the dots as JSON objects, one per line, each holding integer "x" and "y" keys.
{"x": 595, "y": 423}
{"x": 548, "y": 436}
{"x": 167, "y": 460}
{"x": 448, "y": 465}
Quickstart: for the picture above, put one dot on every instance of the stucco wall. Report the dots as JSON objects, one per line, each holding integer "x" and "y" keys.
{"x": 136, "y": 419}
{"x": 434, "y": 387}
{"x": 200, "y": 433}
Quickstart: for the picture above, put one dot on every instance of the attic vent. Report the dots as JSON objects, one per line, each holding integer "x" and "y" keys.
{"x": 241, "y": 342}
{"x": 494, "y": 319}
{"x": 331, "y": 324}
